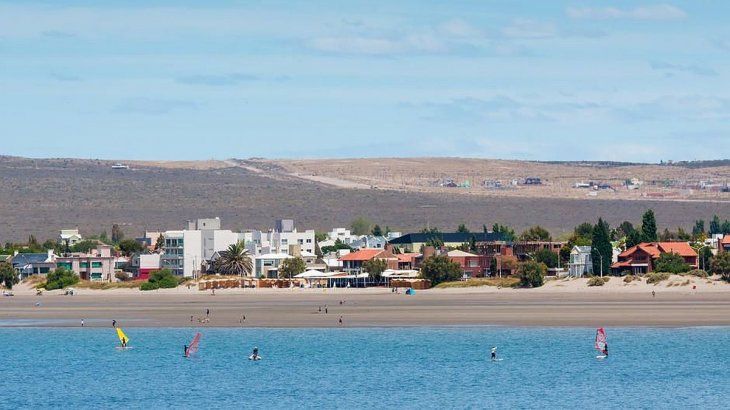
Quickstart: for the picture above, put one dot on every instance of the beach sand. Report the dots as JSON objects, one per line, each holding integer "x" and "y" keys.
{"x": 558, "y": 303}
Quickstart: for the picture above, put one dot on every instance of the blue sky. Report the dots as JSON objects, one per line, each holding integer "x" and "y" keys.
{"x": 545, "y": 80}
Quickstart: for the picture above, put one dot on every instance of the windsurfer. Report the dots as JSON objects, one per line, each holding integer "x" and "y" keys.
{"x": 605, "y": 350}
{"x": 494, "y": 353}
{"x": 185, "y": 350}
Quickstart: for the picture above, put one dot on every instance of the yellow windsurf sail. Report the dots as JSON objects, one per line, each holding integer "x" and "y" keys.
{"x": 122, "y": 337}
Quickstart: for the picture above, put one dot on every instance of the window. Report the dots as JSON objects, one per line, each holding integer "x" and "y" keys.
{"x": 84, "y": 265}
{"x": 309, "y": 240}
{"x": 64, "y": 265}
{"x": 96, "y": 264}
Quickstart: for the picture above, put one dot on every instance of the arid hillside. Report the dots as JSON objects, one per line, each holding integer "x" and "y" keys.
{"x": 40, "y": 197}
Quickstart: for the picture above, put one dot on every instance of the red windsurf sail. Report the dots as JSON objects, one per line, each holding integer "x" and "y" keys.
{"x": 601, "y": 340}
{"x": 193, "y": 345}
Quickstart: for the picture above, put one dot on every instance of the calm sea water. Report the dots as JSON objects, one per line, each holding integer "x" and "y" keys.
{"x": 366, "y": 368}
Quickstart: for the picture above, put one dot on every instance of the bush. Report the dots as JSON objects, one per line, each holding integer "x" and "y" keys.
{"x": 122, "y": 276}
{"x": 439, "y": 269}
{"x": 61, "y": 278}
{"x": 721, "y": 265}
{"x": 597, "y": 281}
{"x": 672, "y": 263}
{"x": 160, "y": 279}
{"x": 629, "y": 278}
{"x": 532, "y": 274}
{"x": 656, "y": 277}
{"x": 698, "y": 272}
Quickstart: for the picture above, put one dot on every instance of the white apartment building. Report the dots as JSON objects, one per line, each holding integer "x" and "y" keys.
{"x": 273, "y": 241}
{"x": 185, "y": 251}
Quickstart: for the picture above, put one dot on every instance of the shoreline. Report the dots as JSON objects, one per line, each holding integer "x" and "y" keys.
{"x": 557, "y": 304}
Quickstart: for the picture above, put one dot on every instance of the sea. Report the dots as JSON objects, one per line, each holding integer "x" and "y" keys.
{"x": 354, "y": 368}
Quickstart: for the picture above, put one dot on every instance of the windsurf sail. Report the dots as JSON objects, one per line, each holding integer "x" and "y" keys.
{"x": 193, "y": 345}
{"x": 122, "y": 337}
{"x": 601, "y": 340}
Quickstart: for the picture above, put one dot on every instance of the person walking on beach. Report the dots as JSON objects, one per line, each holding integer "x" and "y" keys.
{"x": 320, "y": 309}
{"x": 325, "y": 309}
{"x": 114, "y": 324}
{"x": 653, "y": 294}
{"x": 494, "y": 353}
{"x": 340, "y": 320}
{"x": 207, "y": 312}
{"x": 82, "y": 322}
{"x": 191, "y": 318}
{"x": 242, "y": 320}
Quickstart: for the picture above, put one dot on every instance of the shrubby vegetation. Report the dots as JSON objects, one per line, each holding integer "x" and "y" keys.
{"x": 630, "y": 278}
{"x": 598, "y": 281}
{"x": 163, "y": 278}
{"x": 291, "y": 267}
{"x": 656, "y": 277}
{"x": 671, "y": 263}
{"x": 721, "y": 266}
{"x": 532, "y": 274}
{"x": 60, "y": 278}
{"x": 8, "y": 276}
{"x": 439, "y": 269}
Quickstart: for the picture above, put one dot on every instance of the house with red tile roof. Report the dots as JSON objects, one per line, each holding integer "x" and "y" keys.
{"x": 640, "y": 259}
{"x": 352, "y": 262}
{"x": 724, "y": 244}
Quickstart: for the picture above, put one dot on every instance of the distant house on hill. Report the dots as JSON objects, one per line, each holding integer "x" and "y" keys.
{"x": 641, "y": 258}
{"x": 69, "y": 237}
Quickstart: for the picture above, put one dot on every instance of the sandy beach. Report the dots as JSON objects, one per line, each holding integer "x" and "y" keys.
{"x": 558, "y": 303}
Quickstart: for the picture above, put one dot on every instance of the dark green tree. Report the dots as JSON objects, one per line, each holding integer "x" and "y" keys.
{"x": 337, "y": 246}
{"x": 130, "y": 246}
{"x": 235, "y": 260}
{"x": 160, "y": 242}
{"x": 377, "y": 231}
{"x": 705, "y": 257}
{"x": 532, "y": 274}
{"x": 699, "y": 228}
{"x": 291, "y": 267}
{"x": 536, "y": 233}
{"x": 60, "y": 278}
{"x": 648, "y": 227}
{"x": 506, "y": 231}
{"x": 8, "y": 275}
{"x": 601, "y": 249}
{"x": 715, "y": 227}
{"x": 624, "y": 229}
{"x": 462, "y": 229}
{"x": 548, "y": 257}
{"x": 671, "y": 263}
{"x": 725, "y": 228}
{"x": 633, "y": 239}
{"x": 360, "y": 226}
{"x": 721, "y": 265}
{"x": 375, "y": 268}
{"x": 439, "y": 269}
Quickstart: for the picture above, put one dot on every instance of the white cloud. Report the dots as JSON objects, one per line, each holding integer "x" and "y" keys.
{"x": 649, "y": 12}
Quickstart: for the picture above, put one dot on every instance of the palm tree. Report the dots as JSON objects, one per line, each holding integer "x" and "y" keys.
{"x": 235, "y": 260}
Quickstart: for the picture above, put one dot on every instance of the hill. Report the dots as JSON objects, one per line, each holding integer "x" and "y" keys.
{"x": 41, "y": 196}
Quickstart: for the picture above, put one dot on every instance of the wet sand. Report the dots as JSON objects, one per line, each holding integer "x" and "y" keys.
{"x": 369, "y": 308}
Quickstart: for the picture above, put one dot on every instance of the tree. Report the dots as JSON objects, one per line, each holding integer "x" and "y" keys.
{"x": 160, "y": 242}
{"x": 360, "y": 226}
{"x": 235, "y": 260}
{"x": 439, "y": 269}
{"x": 320, "y": 236}
{"x": 547, "y": 257}
{"x": 433, "y": 237}
{"x": 601, "y": 248}
{"x": 163, "y": 278}
{"x": 625, "y": 229}
{"x": 699, "y": 228}
{"x": 721, "y": 265}
{"x": 705, "y": 257}
{"x": 291, "y": 267}
{"x": 507, "y": 232}
{"x": 117, "y": 234}
{"x": 715, "y": 227}
{"x": 536, "y": 233}
{"x": 462, "y": 229}
{"x": 60, "y": 278}
{"x": 532, "y": 274}
{"x": 130, "y": 246}
{"x": 84, "y": 246}
{"x": 671, "y": 263}
{"x": 337, "y": 246}
{"x": 8, "y": 276}
{"x": 648, "y": 227}
{"x": 377, "y": 230}
{"x": 725, "y": 228}
{"x": 375, "y": 268}
{"x": 633, "y": 239}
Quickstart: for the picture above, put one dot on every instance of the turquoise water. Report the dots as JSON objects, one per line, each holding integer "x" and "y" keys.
{"x": 366, "y": 368}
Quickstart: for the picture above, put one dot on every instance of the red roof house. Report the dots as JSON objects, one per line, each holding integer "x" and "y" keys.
{"x": 640, "y": 259}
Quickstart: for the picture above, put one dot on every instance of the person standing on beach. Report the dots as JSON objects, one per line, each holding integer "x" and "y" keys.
{"x": 653, "y": 294}
{"x": 340, "y": 320}
{"x": 82, "y": 322}
{"x": 114, "y": 323}
{"x": 207, "y": 312}
{"x": 325, "y": 309}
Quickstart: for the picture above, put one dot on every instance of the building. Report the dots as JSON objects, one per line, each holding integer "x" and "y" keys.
{"x": 580, "y": 262}
{"x": 27, "y": 264}
{"x": 413, "y": 242}
{"x": 641, "y": 258}
{"x": 368, "y": 242}
{"x": 724, "y": 244}
{"x": 472, "y": 265}
{"x": 144, "y": 264}
{"x": 69, "y": 237}
{"x": 524, "y": 250}
{"x": 186, "y": 251}
{"x": 149, "y": 239}
{"x": 96, "y": 265}
{"x": 275, "y": 241}
{"x": 353, "y": 261}
{"x": 267, "y": 265}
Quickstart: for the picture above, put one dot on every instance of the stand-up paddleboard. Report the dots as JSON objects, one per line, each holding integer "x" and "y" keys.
{"x": 123, "y": 339}
{"x": 193, "y": 348}
{"x": 254, "y": 358}
{"x": 601, "y": 343}
{"x": 497, "y": 360}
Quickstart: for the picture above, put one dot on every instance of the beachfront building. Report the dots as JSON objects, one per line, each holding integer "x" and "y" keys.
{"x": 278, "y": 241}
{"x": 96, "y": 265}
{"x": 185, "y": 251}
{"x": 353, "y": 261}
{"x": 580, "y": 262}
{"x": 69, "y": 237}
{"x": 145, "y": 263}
{"x": 472, "y": 265}
{"x": 640, "y": 259}
{"x": 413, "y": 242}
{"x": 267, "y": 265}
{"x": 26, "y": 264}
